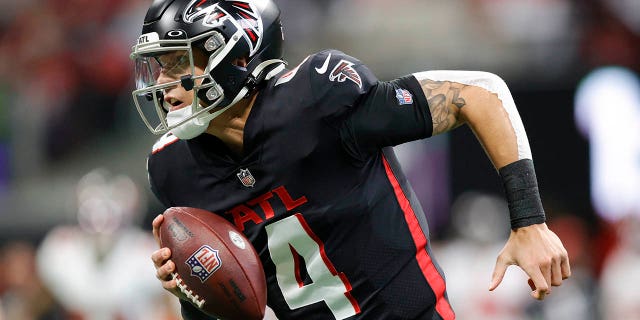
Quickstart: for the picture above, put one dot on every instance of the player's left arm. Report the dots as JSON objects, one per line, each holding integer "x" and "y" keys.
{"x": 483, "y": 101}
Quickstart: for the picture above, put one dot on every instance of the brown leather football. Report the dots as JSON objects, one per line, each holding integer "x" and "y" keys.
{"x": 217, "y": 268}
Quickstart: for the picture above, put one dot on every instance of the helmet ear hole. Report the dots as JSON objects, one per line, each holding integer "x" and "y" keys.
{"x": 241, "y": 61}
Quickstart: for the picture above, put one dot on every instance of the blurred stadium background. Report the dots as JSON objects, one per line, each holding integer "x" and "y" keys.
{"x": 75, "y": 208}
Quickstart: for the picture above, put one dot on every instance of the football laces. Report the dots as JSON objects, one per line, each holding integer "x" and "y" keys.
{"x": 188, "y": 292}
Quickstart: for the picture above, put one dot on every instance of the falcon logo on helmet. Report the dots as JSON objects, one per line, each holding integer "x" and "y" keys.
{"x": 198, "y": 9}
{"x": 214, "y": 13}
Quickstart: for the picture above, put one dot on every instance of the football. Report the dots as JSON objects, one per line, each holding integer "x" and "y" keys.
{"x": 217, "y": 268}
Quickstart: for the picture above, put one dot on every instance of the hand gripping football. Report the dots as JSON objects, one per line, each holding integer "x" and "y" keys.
{"x": 217, "y": 268}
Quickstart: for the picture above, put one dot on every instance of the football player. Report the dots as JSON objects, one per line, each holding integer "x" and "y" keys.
{"x": 300, "y": 160}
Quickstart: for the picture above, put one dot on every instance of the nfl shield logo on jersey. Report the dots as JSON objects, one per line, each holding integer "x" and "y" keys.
{"x": 246, "y": 178}
{"x": 204, "y": 262}
{"x": 404, "y": 97}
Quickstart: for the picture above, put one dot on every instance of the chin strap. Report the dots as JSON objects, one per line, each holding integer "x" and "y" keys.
{"x": 206, "y": 118}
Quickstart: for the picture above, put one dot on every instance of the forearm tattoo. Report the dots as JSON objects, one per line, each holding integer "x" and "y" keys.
{"x": 444, "y": 103}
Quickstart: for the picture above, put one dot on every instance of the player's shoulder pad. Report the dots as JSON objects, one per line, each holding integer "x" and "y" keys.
{"x": 166, "y": 140}
{"x": 337, "y": 78}
{"x": 329, "y": 68}
{"x": 337, "y": 68}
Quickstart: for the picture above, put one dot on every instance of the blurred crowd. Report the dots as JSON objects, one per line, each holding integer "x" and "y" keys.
{"x": 64, "y": 69}
{"x": 75, "y": 240}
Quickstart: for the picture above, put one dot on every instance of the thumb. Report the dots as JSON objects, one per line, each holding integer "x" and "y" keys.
{"x": 157, "y": 221}
{"x": 498, "y": 273}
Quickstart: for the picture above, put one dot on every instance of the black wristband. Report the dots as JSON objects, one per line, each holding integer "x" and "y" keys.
{"x": 521, "y": 189}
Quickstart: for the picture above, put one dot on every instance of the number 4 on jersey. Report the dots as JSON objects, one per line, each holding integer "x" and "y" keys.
{"x": 292, "y": 236}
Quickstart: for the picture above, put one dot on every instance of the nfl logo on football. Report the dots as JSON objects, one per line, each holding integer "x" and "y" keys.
{"x": 204, "y": 262}
{"x": 246, "y": 178}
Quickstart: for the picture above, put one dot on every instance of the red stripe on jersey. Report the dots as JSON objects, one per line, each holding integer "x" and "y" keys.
{"x": 429, "y": 270}
{"x": 328, "y": 262}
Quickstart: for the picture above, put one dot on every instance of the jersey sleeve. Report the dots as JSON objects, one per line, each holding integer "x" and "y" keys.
{"x": 157, "y": 166}
{"x": 152, "y": 185}
{"x": 338, "y": 81}
{"x": 391, "y": 113}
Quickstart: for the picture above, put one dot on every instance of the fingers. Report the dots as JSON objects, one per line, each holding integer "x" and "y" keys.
{"x": 565, "y": 267}
{"x": 171, "y": 286}
{"x": 548, "y": 274}
{"x": 540, "y": 253}
{"x": 160, "y": 256}
{"x": 560, "y": 268}
{"x": 546, "y": 269}
{"x": 540, "y": 284}
{"x": 164, "y": 269}
{"x": 498, "y": 273}
{"x": 163, "y": 273}
{"x": 164, "y": 266}
{"x": 157, "y": 221}
{"x": 556, "y": 274}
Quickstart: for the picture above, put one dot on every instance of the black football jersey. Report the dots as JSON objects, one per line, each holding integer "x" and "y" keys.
{"x": 319, "y": 193}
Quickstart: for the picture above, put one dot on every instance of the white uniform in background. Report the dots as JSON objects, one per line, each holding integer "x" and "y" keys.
{"x": 100, "y": 267}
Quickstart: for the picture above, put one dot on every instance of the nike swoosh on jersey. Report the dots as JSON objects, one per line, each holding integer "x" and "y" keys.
{"x": 325, "y": 66}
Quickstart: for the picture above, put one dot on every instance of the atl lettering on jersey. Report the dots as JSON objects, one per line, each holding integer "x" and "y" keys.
{"x": 248, "y": 211}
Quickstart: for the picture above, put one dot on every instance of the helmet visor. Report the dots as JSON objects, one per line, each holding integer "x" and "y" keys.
{"x": 170, "y": 65}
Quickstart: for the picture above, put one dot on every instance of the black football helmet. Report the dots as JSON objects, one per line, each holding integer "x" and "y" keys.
{"x": 224, "y": 30}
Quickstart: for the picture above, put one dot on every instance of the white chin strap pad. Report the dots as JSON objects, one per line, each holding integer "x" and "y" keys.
{"x": 189, "y": 129}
